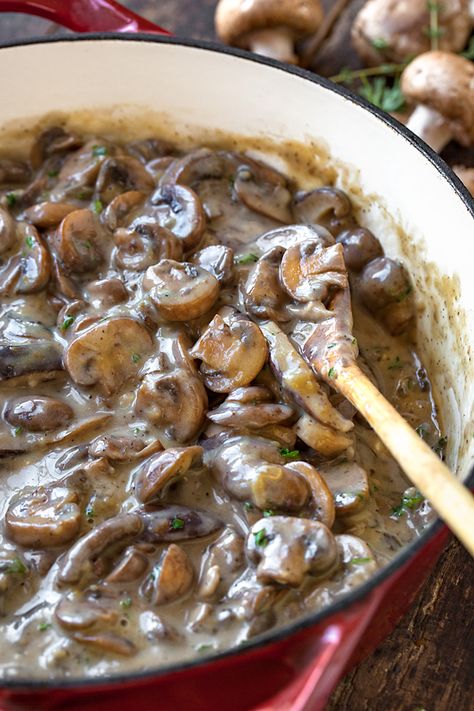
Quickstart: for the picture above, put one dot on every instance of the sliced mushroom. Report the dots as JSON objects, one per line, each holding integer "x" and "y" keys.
{"x": 147, "y": 149}
{"x": 37, "y": 413}
{"x": 286, "y": 237}
{"x": 7, "y": 230}
{"x": 29, "y": 271}
{"x": 13, "y": 171}
{"x": 130, "y": 567}
{"x": 38, "y": 361}
{"x": 109, "y": 642}
{"x": 119, "y": 448}
{"x": 218, "y": 260}
{"x": 224, "y": 560}
{"x": 254, "y": 414}
{"x": 179, "y": 209}
{"x": 326, "y": 206}
{"x": 79, "y": 242}
{"x": 310, "y": 273}
{"x": 322, "y": 498}
{"x": 360, "y": 246}
{"x": 180, "y": 291}
{"x": 51, "y": 142}
{"x": 253, "y": 469}
{"x": 176, "y": 523}
{"x": 349, "y": 485}
{"x": 44, "y": 517}
{"x": 78, "y": 561}
{"x": 175, "y": 401}
{"x": 171, "y": 578}
{"x": 118, "y": 211}
{"x": 121, "y": 174}
{"x": 45, "y": 215}
{"x": 263, "y": 190}
{"x": 286, "y": 549}
{"x": 263, "y": 294}
{"x": 105, "y": 293}
{"x": 385, "y": 289}
{"x": 80, "y": 429}
{"x": 14, "y": 572}
{"x": 232, "y": 350}
{"x": 299, "y": 380}
{"x": 154, "y": 475}
{"x": 107, "y": 353}
{"x": 323, "y": 439}
{"x": 80, "y": 169}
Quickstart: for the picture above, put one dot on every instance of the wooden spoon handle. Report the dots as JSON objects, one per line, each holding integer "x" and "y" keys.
{"x": 453, "y": 502}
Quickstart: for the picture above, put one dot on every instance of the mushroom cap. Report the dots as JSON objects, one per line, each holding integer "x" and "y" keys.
{"x": 395, "y": 30}
{"x": 444, "y": 82}
{"x": 235, "y": 19}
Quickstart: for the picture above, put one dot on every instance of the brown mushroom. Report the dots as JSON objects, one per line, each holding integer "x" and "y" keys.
{"x": 121, "y": 174}
{"x": 251, "y": 412}
{"x": 130, "y": 567}
{"x": 7, "y": 230}
{"x": 37, "y": 413}
{"x": 43, "y": 517}
{"x": 349, "y": 485}
{"x": 323, "y": 439}
{"x": 171, "y": 578}
{"x": 385, "y": 289}
{"x": 360, "y": 246}
{"x": 391, "y": 31}
{"x": 263, "y": 294}
{"x": 310, "y": 273}
{"x": 286, "y": 549}
{"x": 118, "y": 211}
{"x": 232, "y": 351}
{"x": 268, "y": 27}
{"x": 328, "y": 207}
{"x": 122, "y": 448}
{"x": 180, "y": 291}
{"x": 179, "y": 209}
{"x": 80, "y": 169}
{"x": 52, "y": 141}
{"x": 440, "y": 84}
{"x": 322, "y": 497}
{"x": 48, "y": 214}
{"x": 176, "y": 523}
{"x": 78, "y": 561}
{"x": 28, "y": 271}
{"x": 218, "y": 260}
{"x": 152, "y": 477}
{"x": 225, "y": 558}
{"x": 107, "y": 353}
{"x": 13, "y": 171}
{"x": 105, "y": 293}
{"x": 286, "y": 237}
{"x": 40, "y": 360}
{"x": 79, "y": 241}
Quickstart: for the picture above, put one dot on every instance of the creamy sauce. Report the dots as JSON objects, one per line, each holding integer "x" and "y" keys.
{"x": 117, "y": 322}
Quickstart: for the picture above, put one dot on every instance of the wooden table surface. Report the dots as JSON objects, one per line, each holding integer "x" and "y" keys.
{"x": 427, "y": 662}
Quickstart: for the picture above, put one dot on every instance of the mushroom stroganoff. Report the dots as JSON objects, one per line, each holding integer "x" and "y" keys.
{"x": 176, "y": 478}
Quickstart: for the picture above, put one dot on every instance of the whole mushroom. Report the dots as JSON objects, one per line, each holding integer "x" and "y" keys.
{"x": 442, "y": 86}
{"x": 268, "y": 27}
{"x": 394, "y": 30}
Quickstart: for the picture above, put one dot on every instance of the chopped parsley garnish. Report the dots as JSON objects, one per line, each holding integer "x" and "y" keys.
{"x": 332, "y": 373}
{"x": 440, "y": 447}
{"x": 43, "y": 626}
{"x": 17, "y": 431}
{"x": 379, "y": 43}
{"x": 261, "y": 538}
{"x": 126, "y": 603}
{"x": 11, "y": 199}
{"x": 177, "y": 523}
{"x": 97, "y": 206}
{"x": 395, "y": 364}
{"x": 53, "y": 173}
{"x": 204, "y": 647}
{"x": 331, "y": 345}
{"x": 248, "y": 506}
{"x": 407, "y": 502}
{"x": 29, "y": 241}
{"x": 402, "y": 295}
{"x": 88, "y": 244}
{"x": 89, "y": 512}
{"x": 422, "y": 430}
{"x": 68, "y": 321}
{"x": 138, "y": 430}
{"x": 246, "y": 258}
{"x": 289, "y": 453}
{"x": 99, "y": 151}
{"x": 15, "y": 567}
{"x": 361, "y": 561}
{"x": 268, "y": 512}
{"x": 135, "y": 357}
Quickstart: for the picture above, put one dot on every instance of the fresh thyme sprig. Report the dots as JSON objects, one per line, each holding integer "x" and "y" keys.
{"x": 434, "y": 31}
{"x": 347, "y": 76}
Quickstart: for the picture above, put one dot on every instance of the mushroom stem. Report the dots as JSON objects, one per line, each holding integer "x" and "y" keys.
{"x": 276, "y": 43}
{"x": 430, "y": 126}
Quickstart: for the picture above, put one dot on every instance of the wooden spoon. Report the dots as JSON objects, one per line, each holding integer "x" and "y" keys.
{"x": 331, "y": 350}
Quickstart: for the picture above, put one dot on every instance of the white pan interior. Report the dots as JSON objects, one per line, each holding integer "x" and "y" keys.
{"x": 416, "y": 213}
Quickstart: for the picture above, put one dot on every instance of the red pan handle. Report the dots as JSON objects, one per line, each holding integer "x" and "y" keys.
{"x": 85, "y": 15}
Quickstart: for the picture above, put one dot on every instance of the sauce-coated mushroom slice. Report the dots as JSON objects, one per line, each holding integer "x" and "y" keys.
{"x": 326, "y": 206}
{"x": 30, "y": 270}
{"x": 171, "y": 578}
{"x": 79, "y": 559}
{"x": 48, "y": 214}
{"x": 323, "y": 502}
{"x": 37, "y": 413}
{"x": 176, "y": 523}
{"x": 218, "y": 260}
{"x": 52, "y": 142}
{"x": 349, "y": 484}
{"x": 79, "y": 241}
{"x": 233, "y": 352}
{"x": 107, "y": 353}
{"x": 130, "y": 567}
{"x": 176, "y": 402}
{"x": 360, "y": 246}
{"x": 253, "y": 469}
{"x": 263, "y": 293}
{"x": 105, "y": 293}
{"x": 263, "y": 190}
{"x": 286, "y": 237}
{"x": 179, "y": 209}
{"x": 299, "y": 380}
{"x": 309, "y": 272}
{"x": 80, "y": 169}
{"x": 286, "y": 549}
{"x": 44, "y": 517}
{"x": 40, "y": 359}
{"x": 325, "y": 440}
{"x": 180, "y": 291}
{"x": 7, "y": 230}
{"x": 117, "y": 212}
{"x": 121, "y": 174}
{"x": 253, "y": 414}
{"x": 223, "y": 561}
{"x": 144, "y": 244}
{"x": 13, "y": 171}
{"x": 155, "y": 474}
{"x": 122, "y": 448}
{"x": 385, "y": 289}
